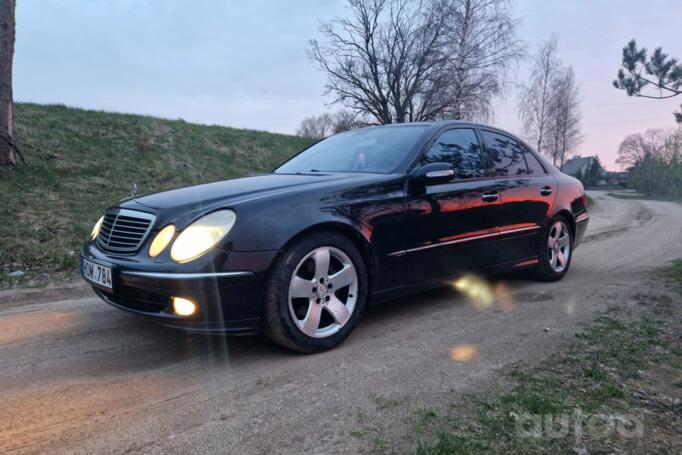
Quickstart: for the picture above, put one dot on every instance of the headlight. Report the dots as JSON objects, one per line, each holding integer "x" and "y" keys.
{"x": 95, "y": 230}
{"x": 161, "y": 241}
{"x": 202, "y": 235}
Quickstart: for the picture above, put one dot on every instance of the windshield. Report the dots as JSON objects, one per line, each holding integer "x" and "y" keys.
{"x": 378, "y": 150}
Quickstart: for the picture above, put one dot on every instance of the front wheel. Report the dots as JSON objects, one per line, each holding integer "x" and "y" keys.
{"x": 316, "y": 293}
{"x": 555, "y": 251}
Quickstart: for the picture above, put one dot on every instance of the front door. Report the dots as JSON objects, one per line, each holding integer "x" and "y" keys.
{"x": 527, "y": 193}
{"x": 452, "y": 227}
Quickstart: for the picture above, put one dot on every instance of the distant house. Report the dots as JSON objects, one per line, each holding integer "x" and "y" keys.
{"x": 616, "y": 179}
{"x": 577, "y": 165}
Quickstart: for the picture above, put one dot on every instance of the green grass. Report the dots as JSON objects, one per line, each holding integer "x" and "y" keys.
{"x": 627, "y": 365}
{"x": 672, "y": 273}
{"x": 80, "y": 162}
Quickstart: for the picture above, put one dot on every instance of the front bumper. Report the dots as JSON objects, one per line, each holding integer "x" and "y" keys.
{"x": 227, "y": 287}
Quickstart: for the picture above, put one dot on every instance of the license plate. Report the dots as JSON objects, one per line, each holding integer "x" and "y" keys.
{"x": 96, "y": 273}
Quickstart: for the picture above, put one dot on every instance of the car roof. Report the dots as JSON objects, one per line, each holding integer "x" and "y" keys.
{"x": 443, "y": 123}
{"x": 437, "y": 125}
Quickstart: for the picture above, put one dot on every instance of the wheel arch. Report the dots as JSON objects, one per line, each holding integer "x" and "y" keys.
{"x": 569, "y": 217}
{"x": 348, "y": 231}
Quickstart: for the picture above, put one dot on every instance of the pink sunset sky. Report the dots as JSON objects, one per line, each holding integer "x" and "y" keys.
{"x": 243, "y": 64}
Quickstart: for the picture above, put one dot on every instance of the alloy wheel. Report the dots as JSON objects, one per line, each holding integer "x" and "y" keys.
{"x": 323, "y": 292}
{"x": 559, "y": 246}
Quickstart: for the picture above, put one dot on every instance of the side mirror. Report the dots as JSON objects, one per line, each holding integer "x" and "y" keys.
{"x": 433, "y": 174}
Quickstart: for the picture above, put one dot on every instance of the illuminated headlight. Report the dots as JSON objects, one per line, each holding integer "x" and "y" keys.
{"x": 161, "y": 241}
{"x": 95, "y": 230}
{"x": 202, "y": 235}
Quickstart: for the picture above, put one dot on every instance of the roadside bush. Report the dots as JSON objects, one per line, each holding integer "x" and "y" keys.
{"x": 655, "y": 159}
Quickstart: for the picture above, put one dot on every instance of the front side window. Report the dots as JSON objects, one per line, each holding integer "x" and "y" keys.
{"x": 378, "y": 150}
{"x": 460, "y": 148}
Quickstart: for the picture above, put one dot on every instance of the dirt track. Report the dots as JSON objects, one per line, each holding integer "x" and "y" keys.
{"x": 80, "y": 376}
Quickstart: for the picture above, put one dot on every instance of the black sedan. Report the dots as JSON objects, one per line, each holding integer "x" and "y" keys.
{"x": 355, "y": 219}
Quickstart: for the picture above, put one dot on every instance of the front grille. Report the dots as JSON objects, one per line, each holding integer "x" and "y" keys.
{"x": 123, "y": 231}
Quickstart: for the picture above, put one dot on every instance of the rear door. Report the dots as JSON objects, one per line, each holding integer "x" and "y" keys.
{"x": 452, "y": 227}
{"x": 527, "y": 193}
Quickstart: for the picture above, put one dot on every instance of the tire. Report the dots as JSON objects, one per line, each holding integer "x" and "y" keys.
{"x": 555, "y": 246}
{"x": 299, "y": 292}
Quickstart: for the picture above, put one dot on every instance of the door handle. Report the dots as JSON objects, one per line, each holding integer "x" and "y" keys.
{"x": 491, "y": 197}
{"x": 546, "y": 190}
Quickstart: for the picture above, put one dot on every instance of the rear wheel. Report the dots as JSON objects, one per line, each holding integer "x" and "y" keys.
{"x": 316, "y": 293}
{"x": 555, "y": 251}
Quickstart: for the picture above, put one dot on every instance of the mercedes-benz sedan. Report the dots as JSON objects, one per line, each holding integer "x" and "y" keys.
{"x": 358, "y": 218}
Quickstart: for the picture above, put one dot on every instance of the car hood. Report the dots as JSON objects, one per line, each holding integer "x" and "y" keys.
{"x": 237, "y": 191}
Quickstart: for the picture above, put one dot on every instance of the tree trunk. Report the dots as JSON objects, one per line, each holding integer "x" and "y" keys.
{"x": 8, "y": 151}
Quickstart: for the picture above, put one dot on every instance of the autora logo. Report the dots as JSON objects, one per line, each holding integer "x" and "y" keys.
{"x": 578, "y": 423}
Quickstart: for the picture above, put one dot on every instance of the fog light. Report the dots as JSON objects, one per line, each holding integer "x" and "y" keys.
{"x": 183, "y": 307}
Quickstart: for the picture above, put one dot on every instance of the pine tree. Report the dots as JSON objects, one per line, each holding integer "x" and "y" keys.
{"x": 657, "y": 72}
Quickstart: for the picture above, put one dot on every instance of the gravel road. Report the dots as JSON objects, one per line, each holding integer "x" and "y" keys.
{"x": 77, "y": 376}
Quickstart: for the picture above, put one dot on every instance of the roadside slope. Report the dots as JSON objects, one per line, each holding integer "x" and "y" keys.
{"x": 79, "y": 162}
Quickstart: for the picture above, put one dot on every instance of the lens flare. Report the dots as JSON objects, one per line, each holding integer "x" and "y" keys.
{"x": 463, "y": 352}
{"x": 478, "y": 291}
{"x": 503, "y": 297}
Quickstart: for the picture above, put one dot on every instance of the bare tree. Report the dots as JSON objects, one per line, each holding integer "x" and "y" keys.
{"x": 673, "y": 148}
{"x": 316, "y": 126}
{"x": 657, "y": 144}
{"x": 635, "y": 147}
{"x": 483, "y": 49}
{"x": 395, "y": 61}
{"x": 631, "y": 150}
{"x": 535, "y": 98}
{"x": 563, "y": 130}
{"x": 345, "y": 120}
{"x": 8, "y": 148}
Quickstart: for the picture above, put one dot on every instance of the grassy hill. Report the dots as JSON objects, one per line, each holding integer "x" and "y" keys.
{"x": 79, "y": 162}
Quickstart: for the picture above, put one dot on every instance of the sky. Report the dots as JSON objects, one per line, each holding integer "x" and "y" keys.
{"x": 243, "y": 63}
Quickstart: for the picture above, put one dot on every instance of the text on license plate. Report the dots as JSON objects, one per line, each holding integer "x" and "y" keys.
{"x": 96, "y": 273}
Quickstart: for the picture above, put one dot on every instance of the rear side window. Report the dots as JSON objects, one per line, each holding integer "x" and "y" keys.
{"x": 506, "y": 155}
{"x": 459, "y": 147}
{"x": 534, "y": 166}
{"x": 509, "y": 157}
